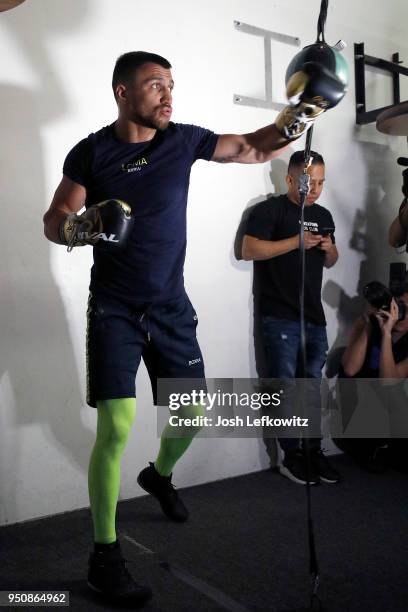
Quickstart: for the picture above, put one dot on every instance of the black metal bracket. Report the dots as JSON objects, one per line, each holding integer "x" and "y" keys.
{"x": 361, "y": 60}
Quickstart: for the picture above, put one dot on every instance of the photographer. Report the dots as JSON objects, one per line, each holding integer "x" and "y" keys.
{"x": 378, "y": 348}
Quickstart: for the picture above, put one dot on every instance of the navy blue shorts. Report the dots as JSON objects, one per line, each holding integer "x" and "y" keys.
{"x": 119, "y": 334}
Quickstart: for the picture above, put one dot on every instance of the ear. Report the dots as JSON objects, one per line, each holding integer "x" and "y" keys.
{"x": 120, "y": 92}
{"x": 288, "y": 180}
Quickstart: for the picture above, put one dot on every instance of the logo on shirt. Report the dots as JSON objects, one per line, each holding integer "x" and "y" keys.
{"x": 310, "y": 226}
{"x": 136, "y": 165}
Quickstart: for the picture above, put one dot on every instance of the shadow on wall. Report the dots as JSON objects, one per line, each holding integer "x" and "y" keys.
{"x": 369, "y": 238}
{"x": 39, "y": 383}
{"x": 258, "y": 364}
{"x": 277, "y": 175}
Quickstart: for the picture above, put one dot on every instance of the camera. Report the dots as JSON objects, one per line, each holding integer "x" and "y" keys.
{"x": 380, "y": 296}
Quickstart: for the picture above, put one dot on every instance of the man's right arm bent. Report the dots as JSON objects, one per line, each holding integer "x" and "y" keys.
{"x": 69, "y": 198}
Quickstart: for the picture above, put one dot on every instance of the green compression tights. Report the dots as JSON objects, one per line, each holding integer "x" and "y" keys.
{"x": 176, "y": 440}
{"x": 115, "y": 418}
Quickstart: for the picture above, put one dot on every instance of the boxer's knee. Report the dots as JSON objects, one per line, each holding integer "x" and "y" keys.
{"x": 115, "y": 419}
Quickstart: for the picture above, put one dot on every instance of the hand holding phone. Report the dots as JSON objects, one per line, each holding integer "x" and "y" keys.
{"x": 326, "y": 231}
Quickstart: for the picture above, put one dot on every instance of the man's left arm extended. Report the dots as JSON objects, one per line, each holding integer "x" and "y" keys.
{"x": 311, "y": 91}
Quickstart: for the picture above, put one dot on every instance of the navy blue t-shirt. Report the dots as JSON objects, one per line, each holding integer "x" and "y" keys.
{"x": 153, "y": 178}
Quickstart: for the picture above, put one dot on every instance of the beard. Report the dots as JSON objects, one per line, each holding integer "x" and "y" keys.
{"x": 151, "y": 120}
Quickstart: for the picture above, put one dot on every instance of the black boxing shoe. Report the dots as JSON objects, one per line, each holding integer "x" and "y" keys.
{"x": 163, "y": 490}
{"x": 109, "y": 577}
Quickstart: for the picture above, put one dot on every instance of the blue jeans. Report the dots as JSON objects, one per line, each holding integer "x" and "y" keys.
{"x": 282, "y": 347}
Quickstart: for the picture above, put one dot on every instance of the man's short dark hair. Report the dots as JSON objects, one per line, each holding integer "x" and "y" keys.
{"x": 128, "y": 63}
{"x": 298, "y": 159}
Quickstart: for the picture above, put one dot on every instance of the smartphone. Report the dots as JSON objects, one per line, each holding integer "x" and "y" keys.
{"x": 326, "y": 231}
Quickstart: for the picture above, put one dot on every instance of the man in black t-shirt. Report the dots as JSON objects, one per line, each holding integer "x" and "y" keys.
{"x": 272, "y": 242}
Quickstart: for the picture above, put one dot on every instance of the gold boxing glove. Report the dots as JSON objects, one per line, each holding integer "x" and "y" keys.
{"x": 106, "y": 225}
{"x": 293, "y": 121}
{"x": 310, "y": 92}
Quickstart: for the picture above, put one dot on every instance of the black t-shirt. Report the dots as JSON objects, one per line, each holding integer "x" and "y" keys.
{"x": 277, "y": 280}
{"x": 153, "y": 178}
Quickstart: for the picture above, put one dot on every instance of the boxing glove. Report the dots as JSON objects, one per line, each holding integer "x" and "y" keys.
{"x": 310, "y": 91}
{"x": 106, "y": 225}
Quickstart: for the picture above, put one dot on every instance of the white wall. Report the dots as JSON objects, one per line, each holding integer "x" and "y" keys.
{"x": 57, "y": 59}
